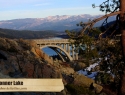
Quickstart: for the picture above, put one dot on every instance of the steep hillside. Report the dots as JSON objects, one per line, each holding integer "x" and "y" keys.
{"x": 27, "y": 34}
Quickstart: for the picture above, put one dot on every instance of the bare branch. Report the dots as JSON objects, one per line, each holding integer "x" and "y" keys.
{"x": 106, "y": 30}
{"x": 91, "y": 23}
{"x": 105, "y": 16}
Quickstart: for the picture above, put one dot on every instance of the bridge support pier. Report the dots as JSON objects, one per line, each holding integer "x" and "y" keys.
{"x": 73, "y": 53}
{"x": 68, "y": 48}
{"x": 76, "y": 56}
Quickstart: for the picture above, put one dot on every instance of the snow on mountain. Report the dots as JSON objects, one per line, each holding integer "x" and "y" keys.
{"x": 58, "y": 23}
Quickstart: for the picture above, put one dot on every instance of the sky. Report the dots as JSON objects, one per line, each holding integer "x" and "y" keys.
{"x": 18, "y": 9}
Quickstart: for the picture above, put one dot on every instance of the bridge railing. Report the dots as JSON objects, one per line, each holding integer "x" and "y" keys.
{"x": 52, "y": 40}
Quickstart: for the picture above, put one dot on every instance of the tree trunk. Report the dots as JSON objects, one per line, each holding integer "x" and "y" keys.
{"x": 122, "y": 27}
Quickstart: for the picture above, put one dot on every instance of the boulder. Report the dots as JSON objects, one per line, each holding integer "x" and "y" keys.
{"x": 79, "y": 66}
{"x": 97, "y": 88}
{"x": 82, "y": 80}
{"x": 67, "y": 70}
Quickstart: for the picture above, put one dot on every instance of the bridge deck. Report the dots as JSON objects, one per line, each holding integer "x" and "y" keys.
{"x": 61, "y": 41}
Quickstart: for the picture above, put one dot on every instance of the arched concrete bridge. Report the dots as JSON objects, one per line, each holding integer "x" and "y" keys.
{"x": 61, "y": 46}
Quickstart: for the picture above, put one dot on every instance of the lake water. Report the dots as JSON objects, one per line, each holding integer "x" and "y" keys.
{"x": 48, "y": 50}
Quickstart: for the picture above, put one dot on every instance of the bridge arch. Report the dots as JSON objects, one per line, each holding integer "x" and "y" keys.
{"x": 58, "y": 47}
{"x": 59, "y": 44}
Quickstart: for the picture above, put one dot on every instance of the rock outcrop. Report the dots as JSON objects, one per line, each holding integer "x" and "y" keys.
{"x": 18, "y": 60}
{"x": 79, "y": 66}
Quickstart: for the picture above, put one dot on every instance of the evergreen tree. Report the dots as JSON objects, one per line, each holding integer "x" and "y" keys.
{"x": 111, "y": 8}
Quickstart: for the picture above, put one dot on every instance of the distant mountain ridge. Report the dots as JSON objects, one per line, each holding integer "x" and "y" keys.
{"x": 57, "y": 23}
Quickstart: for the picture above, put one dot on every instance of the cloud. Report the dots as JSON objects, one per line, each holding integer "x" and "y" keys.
{"x": 43, "y": 4}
